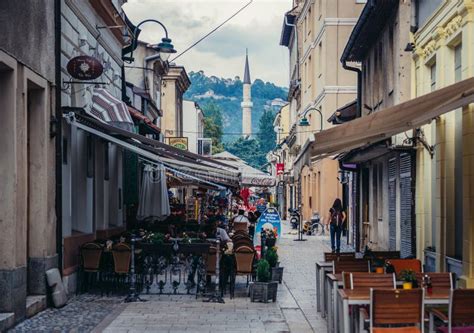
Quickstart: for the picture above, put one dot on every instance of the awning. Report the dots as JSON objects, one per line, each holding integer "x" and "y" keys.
{"x": 113, "y": 111}
{"x": 144, "y": 119}
{"x": 391, "y": 121}
{"x": 344, "y": 114}
{"x": 181, "y": 163}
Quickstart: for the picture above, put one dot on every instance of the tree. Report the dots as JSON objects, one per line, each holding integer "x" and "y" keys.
{"x": 248, "y": 150}
{"x": 213, "y": 126}
{"x": 266, "y": 134}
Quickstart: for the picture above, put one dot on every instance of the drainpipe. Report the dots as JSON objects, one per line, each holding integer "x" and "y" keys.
{"x": 359, "y": 86}
{"x": 146, "y": 60}
{"x": 297, "y": 48}
{"x": 58, "y": 137}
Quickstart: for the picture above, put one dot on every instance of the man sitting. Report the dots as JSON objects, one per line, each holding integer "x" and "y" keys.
{"x": 241, "y": 222}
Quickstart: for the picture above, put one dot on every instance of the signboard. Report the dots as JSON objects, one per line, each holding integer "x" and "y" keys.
{"x": 280, "y": 168}
{"x": 84, "y": 67}
{"x": 258, "y": 181}
{"x": 270, "y": 219}
{"x": 179, "y": 142}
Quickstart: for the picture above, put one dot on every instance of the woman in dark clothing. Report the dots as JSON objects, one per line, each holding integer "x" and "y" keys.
{"x": 336, "y": 220}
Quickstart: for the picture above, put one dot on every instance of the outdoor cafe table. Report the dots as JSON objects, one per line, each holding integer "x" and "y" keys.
{"x": 362, "y": 297}
{"x": 321, "y": 268}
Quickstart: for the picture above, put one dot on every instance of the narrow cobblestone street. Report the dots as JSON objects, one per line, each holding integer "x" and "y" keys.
{"x": 295, "y": 310}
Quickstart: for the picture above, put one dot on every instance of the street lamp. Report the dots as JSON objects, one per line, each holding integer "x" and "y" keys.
{"x": 304, "y": 121}
{"x": 164, "y": 49}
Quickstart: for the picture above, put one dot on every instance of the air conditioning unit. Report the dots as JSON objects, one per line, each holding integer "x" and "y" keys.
{"x": 205, "y": 146}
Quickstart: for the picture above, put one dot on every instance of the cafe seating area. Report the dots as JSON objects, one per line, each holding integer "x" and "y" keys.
{"x": 381, "y": 292}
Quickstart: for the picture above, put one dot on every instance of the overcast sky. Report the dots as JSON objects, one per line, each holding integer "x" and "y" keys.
{"x": 222, "y": 54}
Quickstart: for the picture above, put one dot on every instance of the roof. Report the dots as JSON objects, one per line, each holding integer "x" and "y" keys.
{"x": 346, "y": 113}
{"x": 247, "y": 70}
{"x": 370, "y": 24}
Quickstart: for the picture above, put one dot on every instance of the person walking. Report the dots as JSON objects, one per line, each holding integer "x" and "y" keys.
{"x": 336, "y": 219}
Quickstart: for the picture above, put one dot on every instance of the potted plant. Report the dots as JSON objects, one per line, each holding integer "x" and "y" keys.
{"x": 276, "y": 272}
{"x": 379, "y": 265}
{"x": 270, "y": 239}
{"x": 408, "y": 277}
{"x": 263, "y": 289}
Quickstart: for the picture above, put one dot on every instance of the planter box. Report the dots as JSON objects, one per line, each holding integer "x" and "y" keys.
{"x": 277, "y": 274}
{"x": 263, "y": 291}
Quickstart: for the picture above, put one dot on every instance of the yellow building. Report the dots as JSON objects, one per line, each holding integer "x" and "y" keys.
{"x": 444, "y": 54}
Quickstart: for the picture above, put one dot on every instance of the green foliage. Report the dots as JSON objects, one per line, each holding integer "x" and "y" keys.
{"x": 266, "y": 134}
{"x": 408, "y": 275}
{"x": 263, "y": 271}
{"x": 213, "y": 126}
{"x": 157, "y": 238}
{"x": 272, "y": 257}
{"x": 248, "y": 150}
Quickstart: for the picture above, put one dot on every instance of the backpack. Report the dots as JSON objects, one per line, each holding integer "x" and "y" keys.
{"x": 336, "y": 218}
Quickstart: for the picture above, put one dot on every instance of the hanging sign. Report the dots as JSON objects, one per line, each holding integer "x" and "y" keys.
{"x": 269, "y": 221}
{"x": 280, "y": 168}
{"x": 179, "y": 142}
{"x": 84, "y": 67}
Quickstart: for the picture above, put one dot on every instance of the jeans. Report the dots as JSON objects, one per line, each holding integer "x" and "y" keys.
{"x": 335, "y": 237}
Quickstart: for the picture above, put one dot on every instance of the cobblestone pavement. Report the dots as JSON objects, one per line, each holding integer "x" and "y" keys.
{"x": 80, "y": 314}
{"x": 295, "y": 310}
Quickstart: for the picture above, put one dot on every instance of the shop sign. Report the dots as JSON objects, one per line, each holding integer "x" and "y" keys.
{"x": 269, "y": 220}
{"x": 259, "y": 181}
{"x": 280, "y": 168}
{"x": 179, "y": 142}
{"x": 84, "y": 67}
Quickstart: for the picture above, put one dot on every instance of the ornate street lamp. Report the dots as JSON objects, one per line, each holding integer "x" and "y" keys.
{"x": 305, "y": 122}
{"x": 164, "y": 49}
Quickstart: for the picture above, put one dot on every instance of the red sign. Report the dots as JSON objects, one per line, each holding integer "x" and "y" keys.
{"x": 84, "y": 67}
{"x": 280, "y": 168}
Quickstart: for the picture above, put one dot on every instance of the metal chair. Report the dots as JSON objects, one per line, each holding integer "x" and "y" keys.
{"x": 91, "y": 254}
{"x": 460, "y": 315}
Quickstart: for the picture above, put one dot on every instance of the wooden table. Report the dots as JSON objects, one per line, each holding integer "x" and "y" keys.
{"x": 321, "y": 268}
{"x": 362, "y": 297}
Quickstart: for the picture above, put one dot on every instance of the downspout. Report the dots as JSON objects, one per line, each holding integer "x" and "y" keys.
{"x": 359, "y": 86}
{"x": 297, "y": 48}
{"x": 58, "y": 137}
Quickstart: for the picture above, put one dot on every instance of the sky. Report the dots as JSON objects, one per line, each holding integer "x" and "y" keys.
{"x": 222, "y": 54}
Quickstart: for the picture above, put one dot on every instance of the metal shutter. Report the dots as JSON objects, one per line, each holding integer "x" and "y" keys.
{"x": 392, "y": 204}
{"x": 406, "y": 200}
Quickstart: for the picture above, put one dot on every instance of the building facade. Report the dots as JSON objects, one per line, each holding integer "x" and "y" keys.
{"x": 27, "y": 163}
{"x": 443, "y": 55}
{"x": 193, "y": 124}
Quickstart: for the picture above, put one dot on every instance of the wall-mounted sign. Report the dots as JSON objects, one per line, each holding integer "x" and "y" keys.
{"x": 280, "y": 168}
{"x": 179, "y": 142}
{"x": 84, "y": 67}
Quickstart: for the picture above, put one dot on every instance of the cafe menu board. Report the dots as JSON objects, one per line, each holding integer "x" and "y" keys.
{"x": 269, "y": 220}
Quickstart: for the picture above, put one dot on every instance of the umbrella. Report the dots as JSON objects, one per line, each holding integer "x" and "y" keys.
{"x": 107, "y": 108}
{"x": 154, "y": 200}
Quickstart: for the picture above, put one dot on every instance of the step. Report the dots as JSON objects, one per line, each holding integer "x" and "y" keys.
{"x": 7, "y": 320}
{"x": 35, "y": 304}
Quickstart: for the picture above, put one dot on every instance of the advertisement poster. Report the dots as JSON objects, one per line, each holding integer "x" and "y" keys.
{"x": 269, "y": 220}
{"x": 179, "y": 142}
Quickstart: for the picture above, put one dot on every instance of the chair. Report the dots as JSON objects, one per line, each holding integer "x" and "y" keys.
{"x": 244, "y": 256}
{"x": 211, "y": 261}
{"x": 330, "y": 256}
{"x": 122, "y": 255}
{"x": 460, "y": 316}
{"x": 372, "y": 280}
{"x": 355, "y": 265}
{"x": 386, "y": 254}
{"x": 396, "y": 310}
{"x": 438, "y": 280}
{"x": 242, "y": 242}
{"x": 401, "y": 264}
{"x": 91, "y": 253}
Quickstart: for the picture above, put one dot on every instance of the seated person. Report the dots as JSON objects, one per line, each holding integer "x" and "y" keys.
{"x": 241, "y": 218}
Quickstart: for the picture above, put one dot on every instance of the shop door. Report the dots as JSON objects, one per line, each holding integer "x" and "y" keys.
{"x": 392, "y": 204}
{"x": 406, "y": 206}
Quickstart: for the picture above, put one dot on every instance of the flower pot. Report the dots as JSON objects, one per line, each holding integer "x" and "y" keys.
{"x": 277, "y": 274}
{"x": 379, "y": 270}
{"x": 263, "y": 291}
{"x": 407, "y": 285}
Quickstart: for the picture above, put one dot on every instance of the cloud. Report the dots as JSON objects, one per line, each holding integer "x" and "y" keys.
{"x": 222, "y": 54}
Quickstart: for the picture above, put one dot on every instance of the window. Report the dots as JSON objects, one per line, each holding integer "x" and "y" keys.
{"x": 433, "y": 77}
{"x": 320, "y": 59}
{"x": 64, "y": 151}
{"x": 310, "y": 21}
{"x": 458, "y": 63}
{"x": 90, "y": 156}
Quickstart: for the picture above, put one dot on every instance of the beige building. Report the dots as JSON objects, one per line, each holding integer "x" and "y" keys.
{"x": 193, "y": 124}
{"x": 174, "y": 84}
{"x": 444, "y": 54}
{"x": 323, "y": 28}
{"x": 28, "y": 132}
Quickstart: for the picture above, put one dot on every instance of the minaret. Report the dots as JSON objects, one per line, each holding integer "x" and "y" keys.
{"x": 246, "y": 100}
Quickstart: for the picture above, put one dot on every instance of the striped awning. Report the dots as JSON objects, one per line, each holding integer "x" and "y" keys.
{"x": 110, "y": 109}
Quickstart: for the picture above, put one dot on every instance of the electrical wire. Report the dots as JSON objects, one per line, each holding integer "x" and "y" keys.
{"x": 212, "y": 31}
{"x": 254, "y": 134}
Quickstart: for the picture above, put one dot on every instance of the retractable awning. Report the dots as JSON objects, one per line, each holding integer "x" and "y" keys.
{"x": 108, "y": 108}
{"x": 391, "y": 121}
{"x": 183, "y": 164}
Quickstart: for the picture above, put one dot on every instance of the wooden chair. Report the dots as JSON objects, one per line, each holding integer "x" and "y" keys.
{"x": 330, "y": 256}
{"x": 243, "y": 242}
{"x": 244, "y": 256}
{"x": 241, "y": 226}
{"x": 401, "y": 264}
{"x": 460, "y": 315}
{"x": 122, "y": 255}
{"x": 356, "y": 265}
{"x": 396, "y": 310}
{"x": 91, "y": 254}
{"x": 386, "y": 254}
{"x": 438, "y": 280}
{"x": 372, "y": 280}
{"x": 240, "y": 232}
{"x": 211, "y": 261}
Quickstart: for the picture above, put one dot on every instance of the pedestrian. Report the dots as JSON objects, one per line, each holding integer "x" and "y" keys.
{"x": 336, "y": 220}
{"x": 241, "y": 218}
